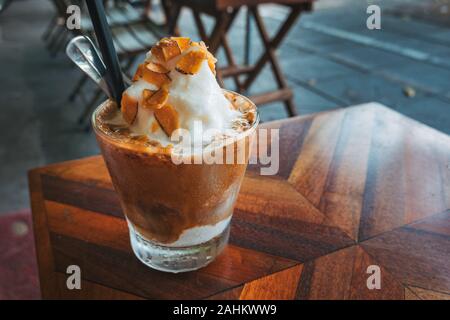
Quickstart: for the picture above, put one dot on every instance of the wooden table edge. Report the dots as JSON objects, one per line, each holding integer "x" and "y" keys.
{"x": 44, "y": 255}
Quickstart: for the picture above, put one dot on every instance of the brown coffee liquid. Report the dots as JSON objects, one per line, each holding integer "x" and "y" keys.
{"x": 162, "y": 199}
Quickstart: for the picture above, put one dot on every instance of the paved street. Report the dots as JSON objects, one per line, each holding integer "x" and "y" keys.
{"x": 330, "y": 58}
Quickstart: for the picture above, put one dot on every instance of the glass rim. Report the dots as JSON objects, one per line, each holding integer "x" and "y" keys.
{"x": 232, "y": 139}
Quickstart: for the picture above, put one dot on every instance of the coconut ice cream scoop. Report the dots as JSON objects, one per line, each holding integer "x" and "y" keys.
{"x": 175, "y": 88}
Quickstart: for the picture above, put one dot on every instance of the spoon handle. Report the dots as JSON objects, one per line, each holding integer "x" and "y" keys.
{"x": 82, "y": 51}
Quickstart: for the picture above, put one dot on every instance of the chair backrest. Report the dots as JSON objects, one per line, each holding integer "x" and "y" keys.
{"x": 61, "y": 5}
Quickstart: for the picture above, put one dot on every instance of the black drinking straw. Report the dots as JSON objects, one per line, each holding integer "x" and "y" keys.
{"x": 114, "y": 77}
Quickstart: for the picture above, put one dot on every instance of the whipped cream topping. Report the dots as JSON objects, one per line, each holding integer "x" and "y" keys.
{"x": 195, "y": 98}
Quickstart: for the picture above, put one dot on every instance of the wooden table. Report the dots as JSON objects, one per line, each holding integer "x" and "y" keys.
{"x": 224, "y": 13}
{"x": 357, "y": 187}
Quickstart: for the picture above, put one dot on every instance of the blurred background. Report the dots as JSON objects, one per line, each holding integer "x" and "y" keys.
{"x": 329, "y": 59}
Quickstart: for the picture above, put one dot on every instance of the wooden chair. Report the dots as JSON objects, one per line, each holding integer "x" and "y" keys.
{"x": 224, "y": 12}
{"x": 119, "y": 14}
{"x": 133, "y": 35}
{"x": 4, "y": 4}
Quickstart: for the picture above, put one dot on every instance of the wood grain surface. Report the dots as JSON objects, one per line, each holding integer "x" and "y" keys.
{"x": 357, "y": 187}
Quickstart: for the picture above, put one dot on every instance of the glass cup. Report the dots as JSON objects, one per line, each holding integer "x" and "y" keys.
{"x": 178, "y": 214}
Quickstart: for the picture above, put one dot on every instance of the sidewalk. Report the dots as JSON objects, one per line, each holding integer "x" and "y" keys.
{"x": 332, "y": 60}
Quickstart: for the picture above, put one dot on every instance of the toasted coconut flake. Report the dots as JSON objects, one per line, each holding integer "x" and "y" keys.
{"x": 147, "y": 94}
{"x": 138, "y": 74}
{"x": 231, "y": 97}
{"x": 157, "y": 53}
{"x": 183, "y": 42}
{"x": 209, "y": 56}
{"x": 168, "y": 118}
{"x": 155, "y": 126}
{"x": 156, "y": 67}
{"x": 129, "y": 108}
{"x": 158, "y": 79}
{"x": 191, "y": 62}
{"x": 154, "y": 99}
{"x": 201, "y": 45}
{"x": 232, "y": 106}
{"x": 211, "y": 62}
{"x": 170, "y": 48}
{"x": 251, "y": 116}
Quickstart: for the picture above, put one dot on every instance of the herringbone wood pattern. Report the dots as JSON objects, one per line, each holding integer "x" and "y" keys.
{"x": 356, "y": 187}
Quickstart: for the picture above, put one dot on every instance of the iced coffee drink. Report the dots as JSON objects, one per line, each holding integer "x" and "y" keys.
{"x": 177, "y": 151}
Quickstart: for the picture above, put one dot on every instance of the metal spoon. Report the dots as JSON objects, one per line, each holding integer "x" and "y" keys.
{"x": 82, "y": 51}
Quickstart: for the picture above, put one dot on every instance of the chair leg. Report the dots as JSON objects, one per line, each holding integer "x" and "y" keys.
{"x": 272, "y": 44}
{"x": 223, "y": 23}
{"x": 129, "y": 64}
{"x": 231, "y": 61}
{"x": 173, "y": 18}
{"x": 248, "y": 37}
{"x": 89, "y": 106}
{"x": 290, "y": 107}
{"x": 219, "y": 78}
{"x": 270, "y": 56}
{"x": 200, "y": 27}
{"x": 52, "y": 36}
{"x": 78, "y": 87}
{"x": 228, "y": 53}
{"x": 50, "y": 28}
{"x": 60, "y": 45}
{"x": 57, "y": 37}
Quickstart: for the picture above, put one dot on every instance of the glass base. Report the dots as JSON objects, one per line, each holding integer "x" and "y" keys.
{"x": 177, "y": 259}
